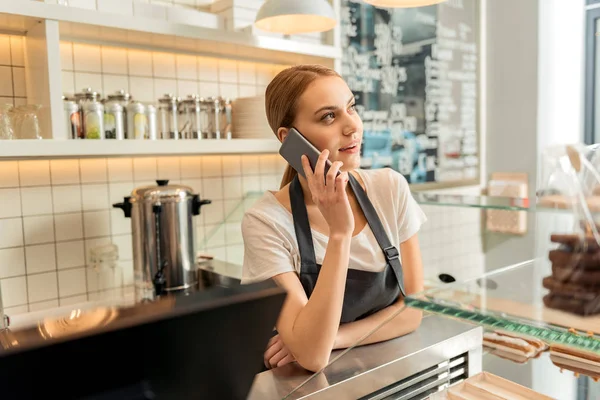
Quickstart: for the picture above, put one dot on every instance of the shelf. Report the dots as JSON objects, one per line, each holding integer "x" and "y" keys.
{"x": 486, "y": 202}
{"x": 541, "y": 375}
{"x": 489, "y": 203}
{"x": 569, "y": 383}
{"x": 510, "y": 299}
{"x": 19, "y": 149}
{"x": 84, "y": 24}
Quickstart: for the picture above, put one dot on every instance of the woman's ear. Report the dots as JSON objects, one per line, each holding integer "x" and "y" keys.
{"x": 282, "y": 134}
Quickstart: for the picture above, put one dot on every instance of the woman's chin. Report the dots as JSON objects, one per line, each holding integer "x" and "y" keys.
{"x": 351, "y": 161}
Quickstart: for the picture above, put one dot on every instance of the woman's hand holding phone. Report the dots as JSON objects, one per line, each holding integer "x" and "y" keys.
{"x": 329, "y": 194}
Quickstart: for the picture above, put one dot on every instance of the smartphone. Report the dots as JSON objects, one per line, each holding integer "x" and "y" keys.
{"x": 294, "y": 146}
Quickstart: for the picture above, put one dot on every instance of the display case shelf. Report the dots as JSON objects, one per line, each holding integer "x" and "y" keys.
{"x": 557, "y": 382}
{"x": 467, "y": 201}
{"x": 511, "y": 299}
{"x": 54, "y": 148}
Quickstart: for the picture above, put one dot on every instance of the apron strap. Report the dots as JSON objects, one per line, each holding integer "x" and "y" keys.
{"x": 308, "y": 259}
{"x": 391, "y": 253}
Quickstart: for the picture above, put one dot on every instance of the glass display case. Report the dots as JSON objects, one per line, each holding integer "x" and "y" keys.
{"x": 511, "y": 299}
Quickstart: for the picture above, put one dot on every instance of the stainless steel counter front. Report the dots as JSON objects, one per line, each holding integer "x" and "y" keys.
{"x": 440, "y": 352}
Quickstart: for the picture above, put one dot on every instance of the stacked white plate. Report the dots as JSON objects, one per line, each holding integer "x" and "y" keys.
{"x": 249, "y": 119}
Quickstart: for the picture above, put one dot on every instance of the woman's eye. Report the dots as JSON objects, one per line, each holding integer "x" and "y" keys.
{"x": 352, "y": 107}
{"x": 328, "y": 116}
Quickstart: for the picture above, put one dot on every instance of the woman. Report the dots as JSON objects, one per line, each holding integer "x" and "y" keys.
{"x": 322, "y": 238}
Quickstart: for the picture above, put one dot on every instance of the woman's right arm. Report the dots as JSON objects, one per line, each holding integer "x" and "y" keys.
{"x": 309, "y": 327}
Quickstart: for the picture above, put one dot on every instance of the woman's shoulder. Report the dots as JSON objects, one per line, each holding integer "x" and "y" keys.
{"x": 382, "y": 178}
{"x": 266, "y": 210}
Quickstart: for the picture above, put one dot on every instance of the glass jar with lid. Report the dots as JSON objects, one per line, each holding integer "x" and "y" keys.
{"x": 123, "y": 98}
{"x": 6, "y": 122}
{"x": 225, "y": 118}
{"x": 190, "y": 121}
{"x": 211, "y": 110}
{"x": 87, "y": 95}
{"x": 167, "y": 117}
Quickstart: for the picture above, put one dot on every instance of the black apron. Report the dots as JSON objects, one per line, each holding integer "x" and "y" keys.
{"x": 366, "y": 292}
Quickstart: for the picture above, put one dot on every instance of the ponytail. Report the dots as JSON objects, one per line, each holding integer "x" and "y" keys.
{"x": 288, "y": 175}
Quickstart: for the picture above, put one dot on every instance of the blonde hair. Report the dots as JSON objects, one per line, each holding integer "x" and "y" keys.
{"x": 281, "y": 99}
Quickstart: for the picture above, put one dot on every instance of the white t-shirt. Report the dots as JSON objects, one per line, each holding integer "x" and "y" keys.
{"x": 271, "y": 248}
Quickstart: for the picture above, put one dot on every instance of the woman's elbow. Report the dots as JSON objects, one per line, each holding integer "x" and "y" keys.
{"x": 313, "y": 363}
{"x": 415, "y": 320}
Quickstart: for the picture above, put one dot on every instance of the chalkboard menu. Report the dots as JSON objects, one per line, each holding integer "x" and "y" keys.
{"x": 414, "y": 74}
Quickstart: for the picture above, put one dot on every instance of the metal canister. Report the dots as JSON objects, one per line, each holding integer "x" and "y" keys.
{"x": 114, "y": 122}
{"x": 152, "y": 127}
{"x": 137, "y": 121}
{"x": 211, "y": 109}
{"x": 190, "y": 120}
{"x": 167, "y": 117}
{"x": 73, "y": 120}
{"x": 216, "y": 117}
{"x": 225, "y": 118}
{"x": 206, "y": 120}
{"x": 93, "y": 117}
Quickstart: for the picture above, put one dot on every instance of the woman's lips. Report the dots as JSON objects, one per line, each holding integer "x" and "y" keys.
{"x": 352, "y": 150}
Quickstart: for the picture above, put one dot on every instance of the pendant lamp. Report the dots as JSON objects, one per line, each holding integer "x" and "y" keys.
{"x": 402, "y": 3}
{"x": 295, "y": 16}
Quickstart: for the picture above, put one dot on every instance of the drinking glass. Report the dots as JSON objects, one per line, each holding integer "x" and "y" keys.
{"x": 6, "y": 126}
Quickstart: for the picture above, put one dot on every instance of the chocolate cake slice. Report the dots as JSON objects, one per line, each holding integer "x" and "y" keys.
{"x": 581, "y": 292}
{"x": 572, "y": 304}
{"x": 564, "y": 258}
{"x": 574, "y": 285}
{"x": 576, "y": 275}
{"x": 576, "y": 243}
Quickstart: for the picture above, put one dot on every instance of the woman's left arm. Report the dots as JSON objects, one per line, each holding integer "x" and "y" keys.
{"x": 405, "y": 321}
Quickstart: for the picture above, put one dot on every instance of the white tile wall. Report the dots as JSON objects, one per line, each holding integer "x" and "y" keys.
{"x": 54, "y": 211}
{"x": 451, "y": 243}
{"x": 12, "y": 71}
{"x": 149, "y": 75}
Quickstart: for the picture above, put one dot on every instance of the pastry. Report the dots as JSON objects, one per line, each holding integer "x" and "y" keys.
{"x": 576, "y": 360}
{"x": 564, "y": 202}
{"x": 576, "y": 275}
{"x": 574, "y": 285}
{"x": 515, "y": 344}
{"x": 516, "y": 358}
{"x": 575, "y": 242}
{"x": 564, "y": 257}
{"x": 584, "y": 292}
{"x": 572, "y": 304}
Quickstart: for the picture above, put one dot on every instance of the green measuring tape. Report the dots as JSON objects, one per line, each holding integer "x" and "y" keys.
{"x": 546, "y": 334}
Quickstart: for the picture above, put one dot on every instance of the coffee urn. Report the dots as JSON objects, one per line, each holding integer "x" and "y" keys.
{"x": 164, "y": 247}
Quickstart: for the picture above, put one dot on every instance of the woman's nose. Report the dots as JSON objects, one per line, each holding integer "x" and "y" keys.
{"x": 351, "y": 124}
